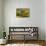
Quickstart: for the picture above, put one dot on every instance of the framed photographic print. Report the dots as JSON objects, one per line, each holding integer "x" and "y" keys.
{"x": 22, "y": 12}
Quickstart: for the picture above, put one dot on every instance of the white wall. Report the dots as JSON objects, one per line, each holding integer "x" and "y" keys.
{"x": 45, "y": 19}
{"x": 36, "y": 15}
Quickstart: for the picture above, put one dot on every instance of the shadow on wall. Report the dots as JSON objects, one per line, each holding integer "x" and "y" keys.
{"x": 1, "y": 34}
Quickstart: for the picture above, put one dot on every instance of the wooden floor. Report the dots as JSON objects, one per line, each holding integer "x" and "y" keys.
{"x": 40, "y": 42}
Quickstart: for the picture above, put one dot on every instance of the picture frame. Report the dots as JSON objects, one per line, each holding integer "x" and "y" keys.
{"x": 22, "y": 12}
